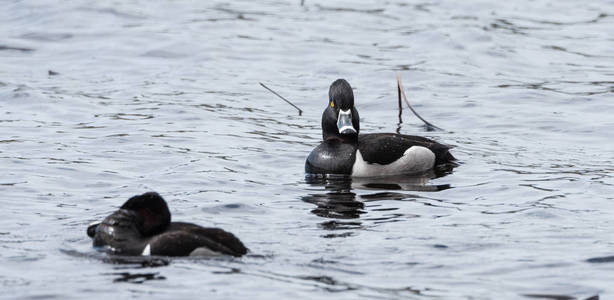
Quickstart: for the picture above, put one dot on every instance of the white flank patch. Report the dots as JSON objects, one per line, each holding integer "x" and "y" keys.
{"x": 416, "y": 159}
{"x": 146, "y": 251}
{"x": 204, "y": 251}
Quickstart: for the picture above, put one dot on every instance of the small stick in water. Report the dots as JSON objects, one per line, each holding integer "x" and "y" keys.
{"x": 400, "y": 104}
{"x": 400, "y": 111}
{"x": 300, "y": 111}
{"x": 429, "y": 126}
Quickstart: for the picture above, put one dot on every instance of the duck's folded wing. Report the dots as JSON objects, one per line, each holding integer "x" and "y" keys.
{"x": 385, "y": 148}
{"x": 183, "y": 242}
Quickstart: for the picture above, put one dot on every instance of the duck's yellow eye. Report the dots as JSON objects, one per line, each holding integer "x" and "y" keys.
{"x": 332, "y": 104}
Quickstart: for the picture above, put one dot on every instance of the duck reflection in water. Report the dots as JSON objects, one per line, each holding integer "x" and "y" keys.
{"x": 339, "y": 204}
{"x": 345, "y": 207}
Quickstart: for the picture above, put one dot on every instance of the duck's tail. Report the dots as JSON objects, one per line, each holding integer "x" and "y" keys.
{"x": 442, "y": 154}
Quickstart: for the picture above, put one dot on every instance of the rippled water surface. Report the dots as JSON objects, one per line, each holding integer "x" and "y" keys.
{"x": 102, "y": 100}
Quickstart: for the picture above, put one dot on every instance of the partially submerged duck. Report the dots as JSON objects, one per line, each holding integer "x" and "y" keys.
{"x": 142, "y": 226}
{"x": 344, "y": 151}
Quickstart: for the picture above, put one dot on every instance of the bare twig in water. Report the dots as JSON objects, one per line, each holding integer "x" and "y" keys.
{"x": 400, "y": 103}
{"x": 400, "y": 110}
{"x": 429, "y": 125}
{"x": 300, "y": 111}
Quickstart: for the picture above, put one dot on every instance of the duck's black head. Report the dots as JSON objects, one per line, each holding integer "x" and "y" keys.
{"x": 125, "y": 230}
{"x": 340, "y": 119}
{"x": 152, "y": 212}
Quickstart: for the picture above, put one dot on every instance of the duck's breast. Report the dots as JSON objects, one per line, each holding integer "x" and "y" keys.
{"x": 118, "y": 234}
{"x": 331, "y": 157}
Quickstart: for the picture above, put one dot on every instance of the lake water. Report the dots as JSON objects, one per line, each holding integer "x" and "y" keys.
{"x": 103, "y": 100}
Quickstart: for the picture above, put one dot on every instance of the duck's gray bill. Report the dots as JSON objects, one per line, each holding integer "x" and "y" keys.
{"x": 344, "y": 122}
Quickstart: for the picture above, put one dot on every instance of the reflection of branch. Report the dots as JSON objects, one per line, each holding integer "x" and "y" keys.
{"x": 300, "y": 112}
{"x": 429, "y": 125}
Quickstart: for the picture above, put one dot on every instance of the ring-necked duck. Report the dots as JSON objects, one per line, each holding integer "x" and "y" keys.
{"x": 345, "y": 151}
{"x": 142, "y": 226}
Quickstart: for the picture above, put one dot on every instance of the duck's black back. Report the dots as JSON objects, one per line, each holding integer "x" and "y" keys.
{"x": 180, "y": 239}
{"x": 385, "y": 148}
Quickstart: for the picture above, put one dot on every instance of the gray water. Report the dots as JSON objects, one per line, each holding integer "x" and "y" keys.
{"x": 102, "y": 100}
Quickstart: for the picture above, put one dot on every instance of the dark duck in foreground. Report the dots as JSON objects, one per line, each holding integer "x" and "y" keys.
{"x": 344, "y": 151}
{"x": 142, "y": 226}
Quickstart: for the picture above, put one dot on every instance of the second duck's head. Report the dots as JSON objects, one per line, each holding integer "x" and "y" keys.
{"x": 340, "y": 119}
{"x": 127, "y": 230}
